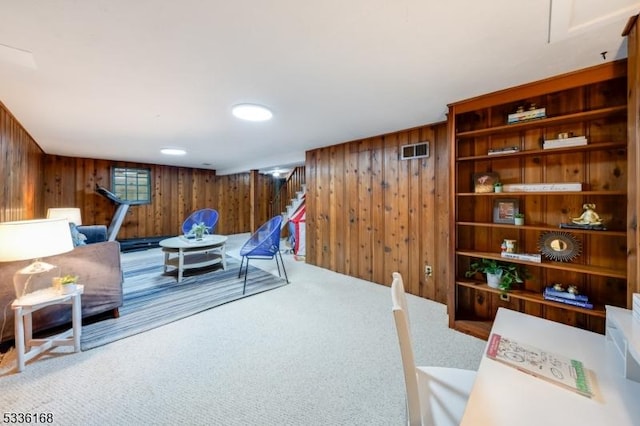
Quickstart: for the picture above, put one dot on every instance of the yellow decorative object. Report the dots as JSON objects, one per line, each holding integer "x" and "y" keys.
{"x": 588, "y": 217}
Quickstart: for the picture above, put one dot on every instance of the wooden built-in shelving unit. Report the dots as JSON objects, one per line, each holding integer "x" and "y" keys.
{"x": 591, "y": 103}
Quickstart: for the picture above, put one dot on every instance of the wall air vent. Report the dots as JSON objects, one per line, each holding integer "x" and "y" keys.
{"x": 415, "y": 150}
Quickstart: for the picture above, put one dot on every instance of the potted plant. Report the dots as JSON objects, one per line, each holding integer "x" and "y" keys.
{"x": 500, "y": 275}
{"x": 68, "y": 283}
{"x": 497, "y": 187}
{"x": 199, "y": 229}
{"x": 518, "y": 218}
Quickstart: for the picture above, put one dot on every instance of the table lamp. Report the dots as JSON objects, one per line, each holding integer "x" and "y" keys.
{"x": 33, "y": 239}
{"x": 72, "y": 214}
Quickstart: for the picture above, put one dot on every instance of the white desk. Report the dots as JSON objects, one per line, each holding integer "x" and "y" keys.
{"x": 503, "y": 395}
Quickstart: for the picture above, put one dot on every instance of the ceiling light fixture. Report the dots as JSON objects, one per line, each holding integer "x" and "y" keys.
{"x": 173, "y": 151}
{"x": 252, "y": 112}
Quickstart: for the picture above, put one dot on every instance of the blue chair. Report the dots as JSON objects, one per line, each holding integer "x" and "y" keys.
{"x": 207, "y": 216}
{"x": 263, "y": 244}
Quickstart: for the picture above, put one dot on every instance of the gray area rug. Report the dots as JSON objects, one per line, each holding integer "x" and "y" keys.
{"x": 153, "y": 298}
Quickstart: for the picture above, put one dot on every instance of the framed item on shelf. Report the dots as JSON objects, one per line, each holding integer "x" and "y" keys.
{"x": 505, "y": 210}
{"x": 483, "y": 182}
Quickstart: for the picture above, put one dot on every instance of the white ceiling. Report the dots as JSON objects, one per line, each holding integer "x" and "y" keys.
{"x": 120, "y": 79}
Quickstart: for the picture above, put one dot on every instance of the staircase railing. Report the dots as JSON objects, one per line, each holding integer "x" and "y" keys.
{"x": 292, "y": 183}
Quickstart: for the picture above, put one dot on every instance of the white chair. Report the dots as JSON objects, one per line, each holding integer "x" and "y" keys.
{"x": 435, "y": 395}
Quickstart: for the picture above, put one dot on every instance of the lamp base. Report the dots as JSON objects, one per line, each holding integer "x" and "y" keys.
{"x": 36, "y": 276}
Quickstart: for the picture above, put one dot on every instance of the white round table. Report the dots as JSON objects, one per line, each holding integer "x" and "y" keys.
{"x": 192, "y": 253}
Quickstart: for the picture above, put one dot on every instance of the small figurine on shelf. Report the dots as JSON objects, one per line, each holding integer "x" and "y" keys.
{"x": 589, "y": 216}
{"x": 588, "y": 220}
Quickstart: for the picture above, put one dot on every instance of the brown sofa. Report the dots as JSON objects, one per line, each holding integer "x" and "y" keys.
{"x": 99, "y": 270}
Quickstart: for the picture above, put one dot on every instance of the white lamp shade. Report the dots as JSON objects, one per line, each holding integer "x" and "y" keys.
{"x": 33, "y": 239}
{"x": 72, "y": 214}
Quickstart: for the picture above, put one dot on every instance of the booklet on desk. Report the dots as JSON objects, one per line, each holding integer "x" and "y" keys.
{"x": 568, "y": 373}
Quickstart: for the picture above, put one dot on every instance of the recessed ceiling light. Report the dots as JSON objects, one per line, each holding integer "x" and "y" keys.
{"x": 173, "y": 151}
{"x": 252, "y": 112}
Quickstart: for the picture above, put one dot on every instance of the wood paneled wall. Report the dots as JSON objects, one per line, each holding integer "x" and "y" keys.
{"x": 176, "y": 192}
{"x": 21, "y": 171}
{"x": 370, "y": 213}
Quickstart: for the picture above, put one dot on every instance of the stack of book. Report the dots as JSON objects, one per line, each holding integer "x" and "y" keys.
{"x": 532, "y": 114}
{"x": 567, "y": 298}
{"x": 530, "y": 257}
{"x": 565, "y": 142}
{"x": 542, "y": 187}
{"x": 505, "y": 150}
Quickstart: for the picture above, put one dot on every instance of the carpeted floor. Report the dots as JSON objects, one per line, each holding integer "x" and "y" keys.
{"x": 153, "y": 298}
{"x": 322, "y": 351}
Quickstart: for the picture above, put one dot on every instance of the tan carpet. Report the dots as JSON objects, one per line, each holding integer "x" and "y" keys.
{"x": 321, "y": 351}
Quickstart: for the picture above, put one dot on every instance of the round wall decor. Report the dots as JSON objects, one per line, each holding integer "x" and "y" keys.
{"x": 559, "y": 246}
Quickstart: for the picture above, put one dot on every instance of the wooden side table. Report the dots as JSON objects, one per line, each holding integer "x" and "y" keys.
{"x": 26, "y": 346}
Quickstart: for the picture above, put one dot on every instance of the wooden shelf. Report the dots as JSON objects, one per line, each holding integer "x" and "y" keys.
{"x": 520, "y": 193}
{"x": 534, "y": 152}
{"x": 597, "y": 311}
{"x": 476, "y": 328}
{"x": 602, "y": 166}
{"x": 546, "y": 122}
{"x": 571, "y": 267}
{"x": 608, "y": 233}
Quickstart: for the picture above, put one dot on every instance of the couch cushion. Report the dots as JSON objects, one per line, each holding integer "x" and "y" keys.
{"x": 94, "y": 233}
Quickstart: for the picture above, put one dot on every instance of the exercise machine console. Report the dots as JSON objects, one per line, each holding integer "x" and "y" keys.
{"x": 121, "y": 211}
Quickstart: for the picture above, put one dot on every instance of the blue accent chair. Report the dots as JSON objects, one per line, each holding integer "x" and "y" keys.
{"x": 207, "y": 216}
{"x": 263, "y": 244}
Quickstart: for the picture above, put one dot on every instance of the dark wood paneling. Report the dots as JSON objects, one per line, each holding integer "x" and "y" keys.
{"x": 176, "y": 192}
{"x": 370, "y": 213}
{"x": 21, "y": 171}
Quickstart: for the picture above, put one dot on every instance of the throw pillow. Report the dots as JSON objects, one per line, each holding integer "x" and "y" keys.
{"x": 77, "y": 236}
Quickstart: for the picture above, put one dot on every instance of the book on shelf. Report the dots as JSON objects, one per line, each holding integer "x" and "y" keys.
{"x": 505, "y": 150}
{"x": 531, "y": 114}
{"x": 564, "y": 143}
{"x": 531, "y": 257}
{"x": 542, "y": 187}
{"x": 578, "y": 303}
{"x": 558, "y": 369}
{"x": 550, "y": 291}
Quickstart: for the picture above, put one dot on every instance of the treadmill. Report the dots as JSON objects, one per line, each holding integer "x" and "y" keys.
{"x": 132, "y": 244}
{"x": 121, "y": 211}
